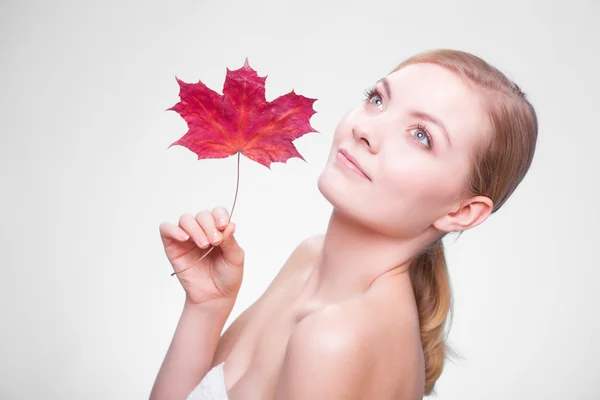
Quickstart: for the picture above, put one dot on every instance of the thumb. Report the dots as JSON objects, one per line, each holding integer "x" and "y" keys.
{"x": 232, "y": 252}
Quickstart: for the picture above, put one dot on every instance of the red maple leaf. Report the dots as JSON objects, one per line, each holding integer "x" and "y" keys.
{"x": 241, "y": 120}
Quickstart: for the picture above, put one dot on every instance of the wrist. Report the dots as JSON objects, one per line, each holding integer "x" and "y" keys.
{"x": 217, "y": 307}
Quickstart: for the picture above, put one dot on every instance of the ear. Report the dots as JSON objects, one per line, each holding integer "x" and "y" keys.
{"x": 469, "y": 214}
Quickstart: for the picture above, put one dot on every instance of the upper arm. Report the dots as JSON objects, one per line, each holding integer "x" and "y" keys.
{"x": 327, "y": 357}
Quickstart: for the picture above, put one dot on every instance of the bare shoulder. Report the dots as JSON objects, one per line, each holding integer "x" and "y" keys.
{"x": 299, "y": 260}
{"x": 350, "y": 351}
{"x": 310, "y": 246}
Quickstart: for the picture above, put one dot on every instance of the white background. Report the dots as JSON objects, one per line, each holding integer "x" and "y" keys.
{"x": 87, "y": 305}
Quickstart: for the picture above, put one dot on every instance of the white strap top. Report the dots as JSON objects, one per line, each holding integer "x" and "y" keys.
{"x": 212, "y": 386}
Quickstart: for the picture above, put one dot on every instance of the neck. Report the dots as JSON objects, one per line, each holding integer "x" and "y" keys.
{"x": 354, "y": 257}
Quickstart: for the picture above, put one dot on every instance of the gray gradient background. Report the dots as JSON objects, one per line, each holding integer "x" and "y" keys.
{"x": 87, "y": 305}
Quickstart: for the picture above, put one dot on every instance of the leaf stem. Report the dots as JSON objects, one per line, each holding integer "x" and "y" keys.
{"x": 237, "y": 186}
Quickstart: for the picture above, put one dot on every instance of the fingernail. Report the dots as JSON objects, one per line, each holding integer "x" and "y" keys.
{"x": 221, "y": 221}
{"x": 184, "y": 237}
{"x": 217, "y": 236}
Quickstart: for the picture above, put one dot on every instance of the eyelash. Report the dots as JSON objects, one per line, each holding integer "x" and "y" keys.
{"x": 371, "y": 92}
{"x": 374, "y": 92}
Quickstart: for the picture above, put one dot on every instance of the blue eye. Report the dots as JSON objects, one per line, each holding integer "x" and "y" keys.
{"x": 376, "y": 100}
{"x": 422, "y": 136}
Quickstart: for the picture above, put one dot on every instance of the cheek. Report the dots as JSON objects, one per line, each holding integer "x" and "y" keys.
{"x": 343, "y": 130}
{"x": 419, "y": 183}
{"x": 410, "y": 199}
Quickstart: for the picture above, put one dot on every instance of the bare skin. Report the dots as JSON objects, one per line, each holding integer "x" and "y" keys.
{"x": 384, "y": 317}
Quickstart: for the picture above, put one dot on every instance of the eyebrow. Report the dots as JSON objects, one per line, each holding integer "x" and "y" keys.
{"x": 418, "y": 114}
{"x": 386, "y": 86}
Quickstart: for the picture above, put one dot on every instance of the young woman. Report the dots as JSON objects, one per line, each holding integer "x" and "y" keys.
{"x": 359, "y": 312}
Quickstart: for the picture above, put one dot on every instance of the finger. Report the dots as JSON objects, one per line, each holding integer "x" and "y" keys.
{"x": 188, "y": 223}
{"x": 208, "y": 225}
{"x": 221, "y": 216}
{"x": 232, "y": 252}
{"x": 168, "y": 230}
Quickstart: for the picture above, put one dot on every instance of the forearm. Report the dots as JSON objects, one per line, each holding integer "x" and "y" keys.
{"x": 192, "y": 349}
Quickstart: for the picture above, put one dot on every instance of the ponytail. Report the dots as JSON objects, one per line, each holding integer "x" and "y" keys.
{"x": 431, "y": 287}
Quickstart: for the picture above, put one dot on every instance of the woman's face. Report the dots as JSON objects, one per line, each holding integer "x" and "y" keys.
{"x": 413, "y": 139}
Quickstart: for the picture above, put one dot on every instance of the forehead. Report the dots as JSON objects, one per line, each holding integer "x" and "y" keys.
{"x": 442, "y": 93}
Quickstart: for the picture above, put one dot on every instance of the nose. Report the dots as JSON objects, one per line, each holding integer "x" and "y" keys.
{"x": 366, "y": 135}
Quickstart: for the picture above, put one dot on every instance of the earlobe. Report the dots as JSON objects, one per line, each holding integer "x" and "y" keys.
{"x": 470, "y": 213}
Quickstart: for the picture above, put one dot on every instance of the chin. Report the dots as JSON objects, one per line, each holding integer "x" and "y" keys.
{"x": 326, "y": 186}
{"x": 345, "y": 195}
{"x": 333, "y": 185}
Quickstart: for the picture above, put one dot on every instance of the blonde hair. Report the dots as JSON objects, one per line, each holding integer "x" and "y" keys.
{"x": 500, "y": 160}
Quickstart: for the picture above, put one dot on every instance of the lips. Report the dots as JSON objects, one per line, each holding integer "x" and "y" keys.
{"x": 354, "y": 161}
